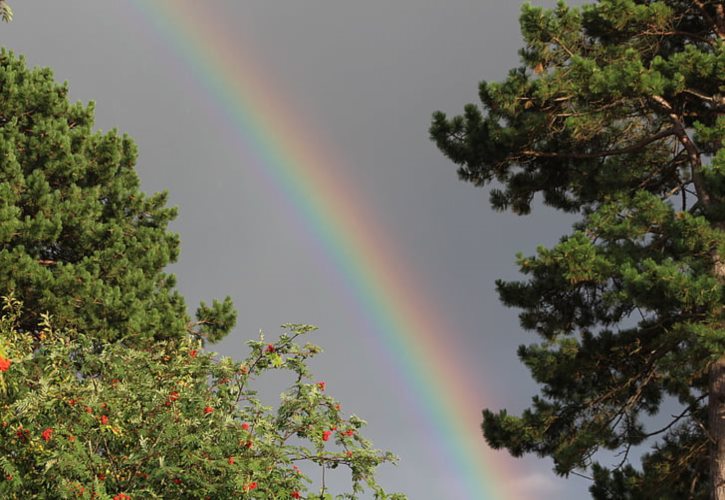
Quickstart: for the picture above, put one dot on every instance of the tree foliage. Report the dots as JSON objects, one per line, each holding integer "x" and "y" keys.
{"x": 617, "y": 114}
{"x": 6, "y": 13}
{"x": 78, "y": 238}
{"x": 168, "y": 421}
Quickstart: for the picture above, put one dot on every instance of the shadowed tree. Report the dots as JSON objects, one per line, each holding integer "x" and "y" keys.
{"x": 616, "y": 114}
{"x": 78, "y": 238}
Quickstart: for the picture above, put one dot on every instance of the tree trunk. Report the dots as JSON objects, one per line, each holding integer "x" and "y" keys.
{"x": 716, "y": 415}
{"x": 717, "y": 428}
{"x": 716, "y": 410}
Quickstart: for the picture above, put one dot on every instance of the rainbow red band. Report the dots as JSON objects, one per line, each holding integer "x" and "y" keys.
{"x": 403, "y": 322}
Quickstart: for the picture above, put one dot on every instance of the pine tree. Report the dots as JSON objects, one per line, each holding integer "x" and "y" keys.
{"x": 616, "y": 114}
{"x": 78, "y": 238}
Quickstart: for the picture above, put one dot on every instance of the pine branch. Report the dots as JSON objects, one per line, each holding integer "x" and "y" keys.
{"x": 717, "y": 23}
{"x": 694, "y": 36}
{"x": 601, "y": 154}
{"x": 6, "y": 13}
{"x": 719, "y": 102}
{"x": 676, "y": 418}
{"x": 692, "y": 151}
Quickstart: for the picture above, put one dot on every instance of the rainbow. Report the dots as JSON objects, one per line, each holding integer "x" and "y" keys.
{"x": 404, "y": 322}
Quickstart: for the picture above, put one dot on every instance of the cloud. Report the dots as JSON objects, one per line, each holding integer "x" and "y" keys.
{"x": 535, "y": 485}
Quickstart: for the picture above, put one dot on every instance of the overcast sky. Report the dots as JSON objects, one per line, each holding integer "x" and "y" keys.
{"x": 364, "y": 78}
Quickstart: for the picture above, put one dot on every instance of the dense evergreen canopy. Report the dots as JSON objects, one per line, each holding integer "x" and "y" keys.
{"x": 78, "y": 238}
{"x": 616, "y": 113}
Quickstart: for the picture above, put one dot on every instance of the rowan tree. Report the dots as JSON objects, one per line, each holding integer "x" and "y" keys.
{"x": 616, "y": 114}
{"x": 168, "y": 421}
{"x": 78, "y": 238}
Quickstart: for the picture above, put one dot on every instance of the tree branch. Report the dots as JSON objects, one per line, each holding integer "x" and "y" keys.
{"x": 719, "y": 102}
{"x": 693, "y": 153}
{"x": 601, "y": 154}
{"x": 561, "y": 44}
{"x": 718, "y": 22}
{"x": 676, "y": 418}
{"x": 679, "y": 33}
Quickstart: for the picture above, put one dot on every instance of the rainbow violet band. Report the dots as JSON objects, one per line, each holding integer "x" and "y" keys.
{"x": 403, "y": 323}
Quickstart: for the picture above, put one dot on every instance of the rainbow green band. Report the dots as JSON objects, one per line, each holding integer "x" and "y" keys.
{"x": 404, "y": 324}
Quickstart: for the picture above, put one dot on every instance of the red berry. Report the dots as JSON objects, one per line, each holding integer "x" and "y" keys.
{"x": 47, "y": 434}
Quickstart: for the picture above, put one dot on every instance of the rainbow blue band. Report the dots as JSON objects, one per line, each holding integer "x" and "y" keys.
{"x": 404, "y": 324}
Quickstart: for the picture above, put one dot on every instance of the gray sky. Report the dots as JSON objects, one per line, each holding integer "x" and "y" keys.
{"x": 365, "y": 78}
